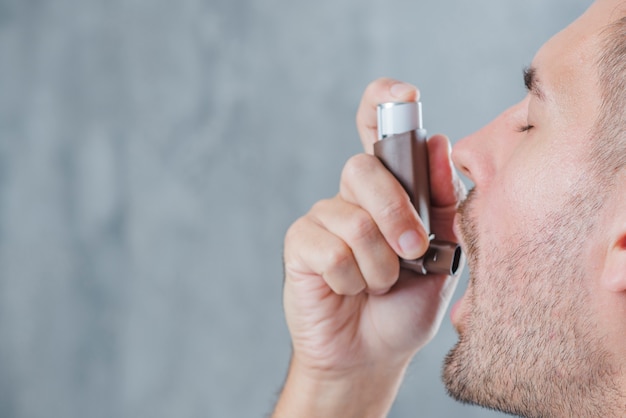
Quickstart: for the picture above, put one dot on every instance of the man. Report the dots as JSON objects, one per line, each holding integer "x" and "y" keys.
{"x": 542, "y": 326}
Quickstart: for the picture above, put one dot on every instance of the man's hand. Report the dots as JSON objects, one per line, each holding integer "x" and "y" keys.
{"x": 355, "y": 318}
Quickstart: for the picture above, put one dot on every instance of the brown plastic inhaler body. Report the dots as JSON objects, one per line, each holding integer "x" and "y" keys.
{"x": 401, "y": 147}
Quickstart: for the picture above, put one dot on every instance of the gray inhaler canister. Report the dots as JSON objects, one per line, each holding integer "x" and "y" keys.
{"x": 402, "y": 148}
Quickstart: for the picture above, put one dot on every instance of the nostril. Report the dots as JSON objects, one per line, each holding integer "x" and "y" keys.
{"x": 469, "y": 160}
{"x": 464, "y": 170}
{"x": 459, "y": 163}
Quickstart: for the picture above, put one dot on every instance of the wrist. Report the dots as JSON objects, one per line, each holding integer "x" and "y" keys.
{"x": 366, "y": 392}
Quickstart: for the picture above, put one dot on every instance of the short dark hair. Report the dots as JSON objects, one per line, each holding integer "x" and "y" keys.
{"x": 609, "y": 144}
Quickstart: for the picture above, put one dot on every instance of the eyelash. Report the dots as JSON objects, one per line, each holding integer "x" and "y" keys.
{"x": 525, "y": 128}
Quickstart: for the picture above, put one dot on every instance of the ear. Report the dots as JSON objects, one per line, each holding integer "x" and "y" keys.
{"x": 613, "y": 277}
{"x": 614, "y": 274}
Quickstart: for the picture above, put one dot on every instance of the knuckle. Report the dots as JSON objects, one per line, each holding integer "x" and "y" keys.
{"x": 374, "y": 86}
{"x": 362, "y": 227}
{"x": 338, "y": 257}
{"x": 293, "y": 237}
{"x": 292, "y": 247}
{"x": 340, "y": 271}
{"x": 356, "y": 167}
{"x": 291, "y": 233}
{"x": 294, "y": 230}
{"x": 394, "y": 211}
{"x": 320, "y": 207}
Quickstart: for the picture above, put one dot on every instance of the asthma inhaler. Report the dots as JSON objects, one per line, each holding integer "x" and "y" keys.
{"x": 401, "y": 147}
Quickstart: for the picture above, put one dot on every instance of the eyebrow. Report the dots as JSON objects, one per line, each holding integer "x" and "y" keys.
{"x": 531, "y": 81}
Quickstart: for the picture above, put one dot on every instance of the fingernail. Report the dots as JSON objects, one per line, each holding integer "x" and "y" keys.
{"x": 401, "y": 89}
{"x": 411, "y": 244}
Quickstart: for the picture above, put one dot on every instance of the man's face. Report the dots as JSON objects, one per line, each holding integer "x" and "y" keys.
{"x": 529, "y": 341}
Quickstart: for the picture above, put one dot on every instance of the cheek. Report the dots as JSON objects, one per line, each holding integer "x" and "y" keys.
{"x": 535, "y": 182}
{"x": 515, "y": 202}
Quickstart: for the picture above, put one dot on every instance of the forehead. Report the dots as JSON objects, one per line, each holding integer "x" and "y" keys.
{"x": 567, "y": 64}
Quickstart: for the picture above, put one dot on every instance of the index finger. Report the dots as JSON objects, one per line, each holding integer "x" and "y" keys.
{"x": 380, "y": 91}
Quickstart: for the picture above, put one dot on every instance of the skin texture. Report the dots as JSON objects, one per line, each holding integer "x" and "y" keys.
{"x": 533, "y": 340}
{"x": 541, "y": 327}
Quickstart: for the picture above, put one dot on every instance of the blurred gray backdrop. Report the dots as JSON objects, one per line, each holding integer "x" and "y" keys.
{"x": 152, "y": 155}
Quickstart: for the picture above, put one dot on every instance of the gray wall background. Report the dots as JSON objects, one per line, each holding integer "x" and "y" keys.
{"x": 152, "y": 155}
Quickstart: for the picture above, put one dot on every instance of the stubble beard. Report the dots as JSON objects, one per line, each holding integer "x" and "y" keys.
{"x": 529, "y": 345}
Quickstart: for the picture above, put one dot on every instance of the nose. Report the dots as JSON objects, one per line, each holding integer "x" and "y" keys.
{"x": 479, "y": 155}
{"x": 471, "y": 156}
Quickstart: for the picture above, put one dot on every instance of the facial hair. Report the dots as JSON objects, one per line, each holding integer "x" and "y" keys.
{"x": 529, "y": 345}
